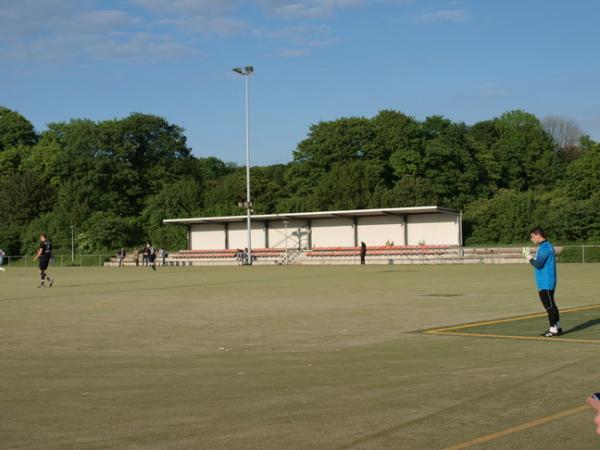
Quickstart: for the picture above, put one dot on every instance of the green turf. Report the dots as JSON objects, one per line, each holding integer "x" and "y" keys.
{"x": 286, "y": 357}
{"x": 576, "y": 324}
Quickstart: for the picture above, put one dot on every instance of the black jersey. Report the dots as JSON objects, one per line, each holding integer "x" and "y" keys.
{"x": 46, "y": 247}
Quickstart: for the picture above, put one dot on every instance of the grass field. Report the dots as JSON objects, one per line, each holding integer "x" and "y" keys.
{"x": 295, "y": 357}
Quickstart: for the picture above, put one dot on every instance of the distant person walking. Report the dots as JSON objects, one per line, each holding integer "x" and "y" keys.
{"x": 145, "y": 254}
{"x": 152, "y": 257}
{"x": 2, "y": 255}
{"x": 43, "y": 254}
{"x": 544, "y": 264}
{"x": 122, "y": 254}
{"x": 363, "y": 253}
{"x": 239, "y": 256}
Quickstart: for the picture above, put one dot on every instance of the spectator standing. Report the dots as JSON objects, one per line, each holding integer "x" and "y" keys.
{"x": 122, "y": 254}
{"x": 2, "y": 255}
{"x": 363, "y": 253}
{"x": 239, "y": 256}
{"x": 145, "y": 255}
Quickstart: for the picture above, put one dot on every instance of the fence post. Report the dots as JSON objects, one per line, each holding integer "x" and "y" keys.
{"x": 583, "y": 253}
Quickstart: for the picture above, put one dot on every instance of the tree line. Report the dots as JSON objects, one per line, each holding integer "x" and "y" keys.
{"x": 114, "y": 181}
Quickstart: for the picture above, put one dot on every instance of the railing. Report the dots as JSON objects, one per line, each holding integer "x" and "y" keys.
{"x": 586, "y": 253}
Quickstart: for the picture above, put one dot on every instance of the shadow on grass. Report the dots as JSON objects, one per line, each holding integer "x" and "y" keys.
{"x": 583, "y": 326}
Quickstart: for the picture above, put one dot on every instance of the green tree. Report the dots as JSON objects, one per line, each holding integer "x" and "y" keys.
{"x": 335, "y": 142}
{"x": 348, "y": 186}
{"x": 525, "y": 153}
{"x": 408, "y": 191}
{"x": 15, "y": 130}
{"x": 583, "y": 174}
{"x": 505, "y": 218}
{"x": 182, "y": 198}
{"x": 106, "y": 231}
{"x": 449, "y": 163}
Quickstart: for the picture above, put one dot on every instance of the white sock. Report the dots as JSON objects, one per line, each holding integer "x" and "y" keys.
{"x": 554, "y": 329}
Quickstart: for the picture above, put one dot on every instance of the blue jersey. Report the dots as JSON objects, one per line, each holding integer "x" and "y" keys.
{"x": 545, "y": 267}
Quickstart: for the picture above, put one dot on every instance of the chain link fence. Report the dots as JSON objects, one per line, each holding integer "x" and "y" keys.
{"x": 579, "y": 254}
{"x": 589, "y": 253}
{"x": 59, "y": 260}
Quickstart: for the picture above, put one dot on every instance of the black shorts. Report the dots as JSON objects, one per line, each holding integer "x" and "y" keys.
{"x": 151, "y": 258}
{"x": 44, "y": 262}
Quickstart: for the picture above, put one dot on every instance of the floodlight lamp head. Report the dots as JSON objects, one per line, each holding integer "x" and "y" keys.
{"x": 249, "y": 70}
{"x": 238, "y": 70}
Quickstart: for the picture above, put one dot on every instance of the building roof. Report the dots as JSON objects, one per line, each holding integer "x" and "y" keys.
{"x": 317, "y": 215}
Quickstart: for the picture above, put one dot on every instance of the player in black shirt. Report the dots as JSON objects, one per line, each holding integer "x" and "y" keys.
{"x": 44, "y": 253}
{"x": 152, "y": 257}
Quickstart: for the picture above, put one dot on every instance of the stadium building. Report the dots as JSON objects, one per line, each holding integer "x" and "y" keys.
{"x": 425, "y": 225}
{"x": 391, "y": 234}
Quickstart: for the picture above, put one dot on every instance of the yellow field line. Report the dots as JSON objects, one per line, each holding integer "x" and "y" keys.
{"x": 510, "y": 319}
{"x": 518, "y": 428}
{"x": 504, "y": 336}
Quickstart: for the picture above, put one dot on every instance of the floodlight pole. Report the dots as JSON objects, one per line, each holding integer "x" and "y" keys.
{"x": 287, "y": 258}
{"x": 72, "y": 244}
{"x": 246, "y": 72}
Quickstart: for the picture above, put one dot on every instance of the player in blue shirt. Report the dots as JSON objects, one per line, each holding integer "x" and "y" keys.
{"x": 544, "y": 264}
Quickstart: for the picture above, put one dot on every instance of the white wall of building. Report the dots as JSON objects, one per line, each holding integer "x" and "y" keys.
{"x": 238, "y": 235}
{"x": 378, "y": 230}
{"x": 207, "y": 236}
{"x": 297, "y": 234}
{"x": 433, "y": 229}
{"x": 337, "y": 232}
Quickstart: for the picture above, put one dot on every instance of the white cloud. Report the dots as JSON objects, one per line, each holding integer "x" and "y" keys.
{"x": 491, "y": 90}
{"x": 303, "y": 38}
{"x": 141, "y": 48}
{"x": 442, "y": 15}
{"x": 294, "y": 52}
{"x": 26, "y": 17}
{"x": 290, "y": 9}
{"x": 198, "y": 7}
{"x": 219, "y": 26}
{"x": 309, "y": 35}
{"x": 104, "y": 19}
{"x": 148, "y": 30}
{"x": 308, "y": 8}
{"x": 60, "y": 31}
{"x": 135, "y": 47}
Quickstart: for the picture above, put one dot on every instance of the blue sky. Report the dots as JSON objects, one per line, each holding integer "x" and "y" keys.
{"x": 315, "y": 60}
